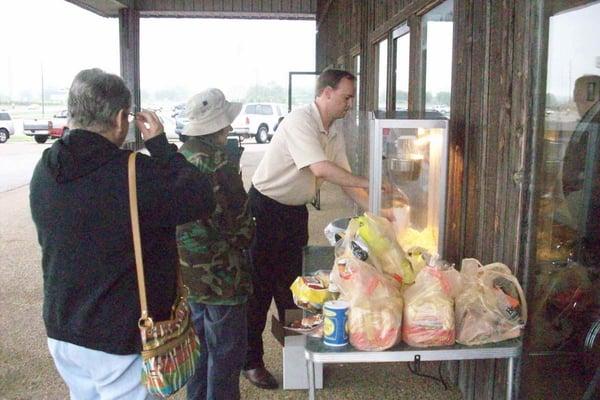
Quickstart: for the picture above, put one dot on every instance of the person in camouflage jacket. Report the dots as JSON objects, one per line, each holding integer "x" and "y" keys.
{"x": 212, "y": 251}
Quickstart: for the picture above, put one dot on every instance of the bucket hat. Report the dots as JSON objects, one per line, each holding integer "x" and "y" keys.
{"x": 208, "y": 112}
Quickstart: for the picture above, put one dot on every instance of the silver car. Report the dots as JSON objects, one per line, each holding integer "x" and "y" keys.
{"x": 7, "y": 127}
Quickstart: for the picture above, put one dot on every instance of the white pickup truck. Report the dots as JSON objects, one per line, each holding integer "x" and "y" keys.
{"x": 42, "y": 129}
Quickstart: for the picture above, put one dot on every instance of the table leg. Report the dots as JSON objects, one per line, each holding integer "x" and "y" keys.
{"x": 310, "y": 366}
{"x": 509, "y": 378}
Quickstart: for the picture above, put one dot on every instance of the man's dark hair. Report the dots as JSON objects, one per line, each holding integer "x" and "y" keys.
{"x": 331, "y": 78}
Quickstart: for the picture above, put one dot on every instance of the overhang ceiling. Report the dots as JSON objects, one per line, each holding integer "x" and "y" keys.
{"x": 104, "y": 8}
{"x": 246, "y": 9}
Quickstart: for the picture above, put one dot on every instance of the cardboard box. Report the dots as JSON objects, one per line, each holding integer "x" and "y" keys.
{"x": 295, "y": 375}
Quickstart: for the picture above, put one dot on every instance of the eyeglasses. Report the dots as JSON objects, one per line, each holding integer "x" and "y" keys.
{"x": 131, "y": 116}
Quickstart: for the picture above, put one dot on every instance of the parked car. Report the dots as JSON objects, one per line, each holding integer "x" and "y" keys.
{"x": 7, "y": 127}
{"x": 180, "y": 123}
{"x": 178, "y": 110}
{"x": 259, "y": 120}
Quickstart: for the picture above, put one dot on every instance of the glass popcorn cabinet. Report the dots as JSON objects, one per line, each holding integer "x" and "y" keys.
{"x": 408, "y": 157}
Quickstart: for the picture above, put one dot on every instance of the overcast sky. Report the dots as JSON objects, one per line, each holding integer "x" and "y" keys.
{"x": 62, "y": 39}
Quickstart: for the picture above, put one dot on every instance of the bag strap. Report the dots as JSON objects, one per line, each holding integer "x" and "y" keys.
{"x": 182, "y": 290}
{"x": 137, "y": 242}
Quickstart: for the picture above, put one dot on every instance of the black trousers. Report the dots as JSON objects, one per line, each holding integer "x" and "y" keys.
{"x": 276, "y": 252}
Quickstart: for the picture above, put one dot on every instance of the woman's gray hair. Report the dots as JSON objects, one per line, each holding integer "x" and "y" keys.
{"x": 95, "y": 98}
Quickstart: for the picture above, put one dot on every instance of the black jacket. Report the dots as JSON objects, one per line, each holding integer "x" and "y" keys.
{"x": 80, "y": 206}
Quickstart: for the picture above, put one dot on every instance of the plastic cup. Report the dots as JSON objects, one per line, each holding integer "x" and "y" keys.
{"x": 335, "y": 315}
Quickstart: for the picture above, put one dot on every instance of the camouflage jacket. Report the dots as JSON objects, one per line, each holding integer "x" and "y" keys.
{"x": 214, "y": 261}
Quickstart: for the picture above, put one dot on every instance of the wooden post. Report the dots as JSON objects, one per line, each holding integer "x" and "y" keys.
{"x": 129, "y": 46}
{"x": 416, "y": 69}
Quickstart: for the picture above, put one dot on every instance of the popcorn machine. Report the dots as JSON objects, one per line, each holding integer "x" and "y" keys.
{"x": 411, "y": 157}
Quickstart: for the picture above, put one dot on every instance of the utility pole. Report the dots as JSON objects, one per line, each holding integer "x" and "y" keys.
{"x": 42, "y": 68}
{"x": 9, "y": 75}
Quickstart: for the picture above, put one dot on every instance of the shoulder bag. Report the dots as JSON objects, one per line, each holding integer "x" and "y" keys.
{"x": 170, "y": 348}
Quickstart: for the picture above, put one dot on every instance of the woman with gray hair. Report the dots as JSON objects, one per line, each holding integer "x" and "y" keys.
{"x": 80, "y": 206}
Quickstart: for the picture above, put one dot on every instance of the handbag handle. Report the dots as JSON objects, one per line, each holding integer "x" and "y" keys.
{"x": 137, "y": 245}
{"x": 137, "y": 241}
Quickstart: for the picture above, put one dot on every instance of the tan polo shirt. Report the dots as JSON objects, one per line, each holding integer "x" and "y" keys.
{"x": 300, "y": 140}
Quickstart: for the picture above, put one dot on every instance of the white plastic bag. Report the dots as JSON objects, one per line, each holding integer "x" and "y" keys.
{"x": 375, "y": 324}
{"x": 386, "y": 253}
{"x": 491, "y": 306}
{"x": 429, "y": 307}
{"x": 375, "y": 315}
{"x": 334, "y": 231}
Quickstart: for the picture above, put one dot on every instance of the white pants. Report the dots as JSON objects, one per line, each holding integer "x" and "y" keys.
{"x": 96, "y": 375}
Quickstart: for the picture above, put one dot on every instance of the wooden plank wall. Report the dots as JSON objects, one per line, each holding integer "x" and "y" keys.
{"x": 381, "y": 16}
{"x": 336, "y": 37}
{"x": 490, "y": 162}
{"x": 490, "y": 128}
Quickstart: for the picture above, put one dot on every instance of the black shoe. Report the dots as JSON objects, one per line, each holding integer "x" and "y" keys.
{"x": 261, "y": 378}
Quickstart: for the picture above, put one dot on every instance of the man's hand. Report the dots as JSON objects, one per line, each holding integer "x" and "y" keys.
{"x": 148, "y": 124}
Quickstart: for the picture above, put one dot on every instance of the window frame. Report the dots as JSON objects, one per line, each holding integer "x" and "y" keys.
{"x": 412, "y": 20}
{"x": 377, "y": 71}
{"x": 400, "y": 31}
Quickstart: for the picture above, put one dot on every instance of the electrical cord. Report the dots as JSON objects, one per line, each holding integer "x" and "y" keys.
{"x": 435, "y": 378}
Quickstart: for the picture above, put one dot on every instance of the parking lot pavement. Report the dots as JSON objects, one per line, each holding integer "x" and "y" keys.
{"x": 17, "y": 160}
{"x": 26, "y": 369}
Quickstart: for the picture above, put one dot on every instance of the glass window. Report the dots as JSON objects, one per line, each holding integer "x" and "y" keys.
{"x": 302, "y": 91}
{"x": 566, "y": 293}
{"x": 251, "y": 109}
{"x": 402, "y": 62}
{"x": 382, "y": 75}
{"x": 4, "y": 117}
{"x": 436, "y": 53}
{"x": 266, "y": 109}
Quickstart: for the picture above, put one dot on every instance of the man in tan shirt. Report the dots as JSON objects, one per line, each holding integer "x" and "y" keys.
{"x": 308, "y": 149}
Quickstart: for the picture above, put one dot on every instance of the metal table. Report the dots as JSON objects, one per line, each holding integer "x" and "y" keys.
{"x": 317, "y": 352}
{"x": 322, "y": 257}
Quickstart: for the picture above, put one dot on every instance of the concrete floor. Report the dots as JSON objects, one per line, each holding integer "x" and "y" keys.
{"x": 26, "y": 368}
